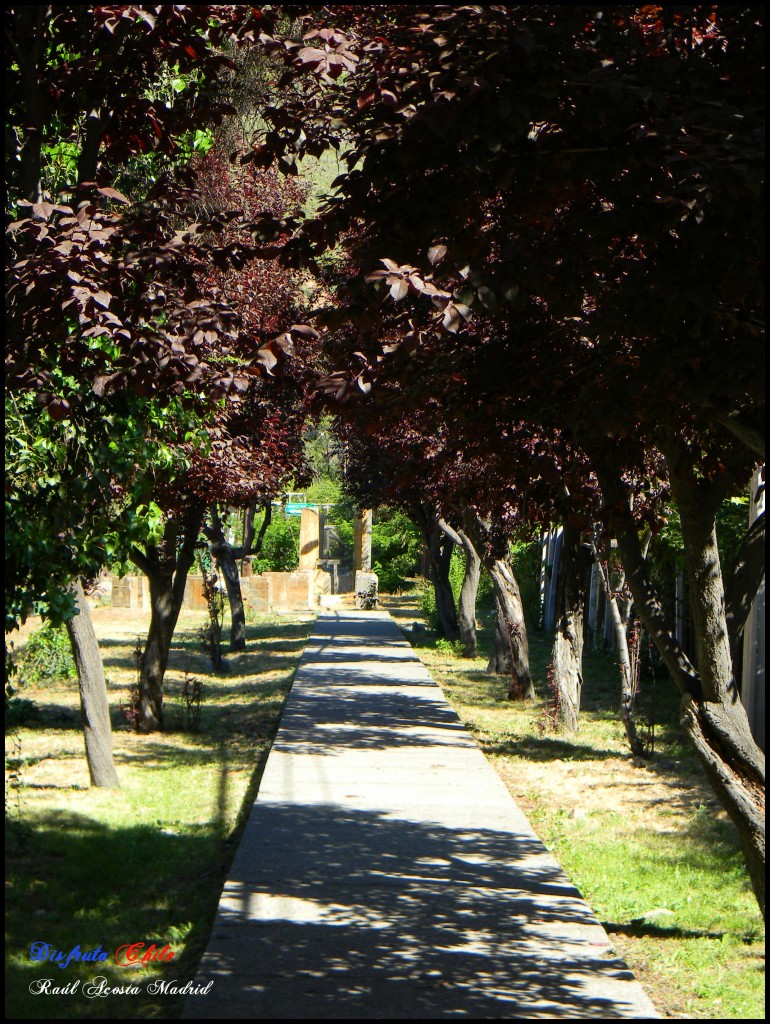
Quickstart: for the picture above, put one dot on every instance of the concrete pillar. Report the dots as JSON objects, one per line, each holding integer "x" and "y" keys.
{"x": 309, "y": 538}
{"x": 362, "y": 541}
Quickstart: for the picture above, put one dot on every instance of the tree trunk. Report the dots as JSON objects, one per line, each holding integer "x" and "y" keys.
{"x": 163, "y": 619}
{"x": 712, "y": 714}
{"x": 89, "y": 152}
{"x": 439, "y": 546}
{"x": 511, "y": 644}
{"x": 628, "y": 687}
{"x": 441, "y": 557}
{"x": 466, "y": 618}
{"x": 224, "y": 555}
{"x": 552, "y": 568}
{"x": 499, "y": 663}
{"x": 513, "y": 627}
{"x": 227, "y": 558}
{"x": 567, "y": 653}
{"x": 166, "y": 567}
{"x": 93, "y": 693}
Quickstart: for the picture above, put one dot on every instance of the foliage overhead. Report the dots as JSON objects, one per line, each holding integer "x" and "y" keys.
{"x": 584, "y": 182}
{"x": 141, "y": 342}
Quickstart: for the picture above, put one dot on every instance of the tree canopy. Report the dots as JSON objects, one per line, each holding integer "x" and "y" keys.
{"x": 539, "y": 272}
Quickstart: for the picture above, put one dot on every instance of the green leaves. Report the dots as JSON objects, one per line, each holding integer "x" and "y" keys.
{"x": 147, "y": 523}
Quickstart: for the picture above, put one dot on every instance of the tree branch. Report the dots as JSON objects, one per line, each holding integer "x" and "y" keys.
{"x": 257, "y": 547}
{"x": 141, "y": 561}
{"x": 748, "y": 433}
{"x": 248, "y": 523}
{"x": 191, "y": 525}
{"x": 452, "y": 534}
{"x": 648, "y": 603}
{"x": 251, "y": 546}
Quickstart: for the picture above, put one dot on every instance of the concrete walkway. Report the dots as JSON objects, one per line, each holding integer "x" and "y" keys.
{"x": 385, "y": 871}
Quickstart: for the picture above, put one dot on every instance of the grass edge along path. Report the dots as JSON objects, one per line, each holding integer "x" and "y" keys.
{"x": 102, "y": 869}
{"x": 645, "y": 842}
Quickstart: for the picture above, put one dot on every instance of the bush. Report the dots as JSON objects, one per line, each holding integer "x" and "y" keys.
{"x": 280, "y": 547}
{"x": 394, "y": 574}
{"x": 426, "y": 600}
{"x": 46, "y": 657}
{"x": 20, "y": 711}
{"x": 453, "y": 648}
{"x": 427, "y": 595}
{"x": 525, "y": 558}
{"x": 456, "y": 572}
{"x": 396, "y": 546}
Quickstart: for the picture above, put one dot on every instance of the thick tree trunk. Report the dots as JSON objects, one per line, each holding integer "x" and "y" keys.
{"x": 224, "y": 555}
{"x": 619, "y": 625}
{"x": 441, "y": 557}
{"x": 513, "y": 628}
{"x": 499, "y": 663}
{"x": 164, "y": 614}
{"x": 718, "y": 725}
{"x": 166, "y": 568}
{"x": 466, "y": 612}
{"x": 466, "y": 618}
{"x": 712, "y": 714}
{"x": 93, "y": 693}
{"x": 227, "y": 558}
{"x": 567, "y": 652}
{"x": 511, "y": 643}
{"x": 231, "y": 576}
{"x": 439, "y": 546}
{"x": 89, "y": 152}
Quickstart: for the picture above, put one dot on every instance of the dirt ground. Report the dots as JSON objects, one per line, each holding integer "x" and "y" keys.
{"x": 617, "y": 785}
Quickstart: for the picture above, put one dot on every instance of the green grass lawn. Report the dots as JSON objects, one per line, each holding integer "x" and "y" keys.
{"x": 145, "y": 863}
{"x": 645, "y": 841}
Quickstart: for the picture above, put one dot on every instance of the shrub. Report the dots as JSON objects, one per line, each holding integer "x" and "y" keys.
{"x": 450, "y": 647}
{"x": 280, "y": 547}
{"x": 20, "y": 711}
{"x": 456, "y": 572}
{"x": 525, "y": 558}
{"x": 394, "y": 573}
{"x": 396, "y": 548}
{"x": 46, "y": 657}
{"x": 427, "y": 601}
{"x": 190, "y": 698}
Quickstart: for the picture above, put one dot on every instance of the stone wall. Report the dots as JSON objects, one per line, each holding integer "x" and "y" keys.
{"x": 296, "y": 591}
{"x": 284, "y": 591}
{"x": 131, "y": 592}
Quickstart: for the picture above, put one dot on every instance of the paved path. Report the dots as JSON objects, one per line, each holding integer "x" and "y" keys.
{"x": 385, "y": 871}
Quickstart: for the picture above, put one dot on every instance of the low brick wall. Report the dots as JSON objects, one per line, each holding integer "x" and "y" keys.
{"x": 270, "y": 592}
{"x": 131, "y": 592}
{"x": 283, "y": 591}
{"x": 193, "y": 600}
